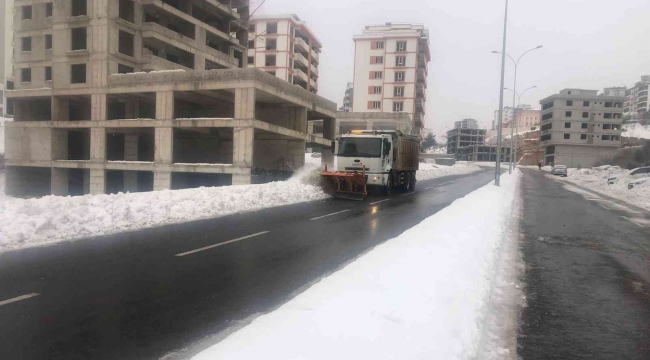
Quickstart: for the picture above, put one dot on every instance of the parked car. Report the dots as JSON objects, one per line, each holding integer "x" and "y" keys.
{"x": 634, "y": 177}
{"x": 559, "y": 170}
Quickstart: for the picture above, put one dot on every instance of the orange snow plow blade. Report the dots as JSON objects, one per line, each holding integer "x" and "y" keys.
{"x": 348, "y": 185}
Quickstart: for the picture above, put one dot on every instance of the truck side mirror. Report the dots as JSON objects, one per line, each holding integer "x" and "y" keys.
{"x": 386, "y": 147}
{"x": 333, "y": 147}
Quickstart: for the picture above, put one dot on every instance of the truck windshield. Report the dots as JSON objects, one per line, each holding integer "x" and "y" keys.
{"x": 360, "y": 147}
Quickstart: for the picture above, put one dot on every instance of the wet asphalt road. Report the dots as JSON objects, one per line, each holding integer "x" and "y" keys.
{"x": 129, "y": 297}
{"x": 587, "y": 278}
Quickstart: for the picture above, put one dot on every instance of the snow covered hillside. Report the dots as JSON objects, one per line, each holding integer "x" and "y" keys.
{"x": 636, "y": 131}
{"x": 596, "y": 179}
{"x": 426, "y": 294}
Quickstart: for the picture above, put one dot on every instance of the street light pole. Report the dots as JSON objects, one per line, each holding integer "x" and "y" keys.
{"x": 516, "y": 63}
{"x": 497, "y": 170}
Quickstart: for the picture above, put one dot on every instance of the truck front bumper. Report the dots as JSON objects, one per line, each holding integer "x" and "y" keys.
{"x": 376, "y": 179}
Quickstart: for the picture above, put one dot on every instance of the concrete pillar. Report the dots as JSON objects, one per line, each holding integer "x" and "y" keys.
{"x": 97, "y": 181}
{"x": 245, "y": 104}
{"x": 130, "y": 154}
{"x": 59, "y": 144}
{"x": 165, "y": 105}
{"x": 199, "y": 63}
{"x": 337, "y": 129}
{"x": 370, "y": 125}
{"x": 310, "y": 128}
{"x": 98, "y": 107}
{"x": 59, "y": 181}
{"x": 296, "y": 153}
{"x": 98, "y": 145}
{"x": 162, "y": 180}
{"x": 164, "y": 146}
{"x": 243, "y": 142}
{"x": 60, "y": 109}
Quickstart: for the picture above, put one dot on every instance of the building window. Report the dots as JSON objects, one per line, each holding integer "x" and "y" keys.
{"x": 126, "y": 43}
{"x": 127, "y": 10}
{"x": 48, "y": 73}
{"x": 271, "y": 28}
{"x": 545, "y": 137}
{"x": 398, "y": 106}
{"x": 251, "y": 44}
{"x": 271, "y": 44}
{"x": 398, "y": 91}
{"x": 585, "y": 115}
{"x": 48, "y": 9}
{"x": 584, "y": 126}
{"x": 616, "y": 138}
{"x": 269, "y": 60}
{"x": 609, "y": 104}
{"x": 607, "y": 126}
{"x": 123, "y": 69}
{"x": 377, "y": 74}
{"x": 547, "y": 116}
{"x": 569, "y": 103}
{"x": 251, "y": 28}
{"x": 568, "y": 114}
{"x": 27, "y": 12}
{"x": 375, "y": 89}
{"x": 48, "y": 41}
{"x": 567, "y": 125}
{"x": 583, "y": 136}
{"x": 374, "y": 104}
{"x": 377, "y": 45}
{"x": 607, "y": 115}
{"x": 606, "y": 137}
{"x": 26, "y": 75}
{"x": 400, "y": 61}
{"x": 376, "y": 59}
{"x": 399, "y": 76}
{"x": 547, "y": 105}
{"x": 567, "y": 136}
{"x": 78, "y": 74}
{"x": 26, "y": 44}
{"x": 79, "y": 8}
{"x": 78, "y": 38}
{"x": 251, "y": 60}
{"x": 585, "y": 103}
{"x": 401, "y": 46}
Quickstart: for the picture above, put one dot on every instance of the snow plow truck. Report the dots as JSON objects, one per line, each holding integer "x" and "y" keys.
{"x": 385, "y": 159}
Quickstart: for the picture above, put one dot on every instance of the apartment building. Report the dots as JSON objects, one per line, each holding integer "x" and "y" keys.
{"x": 6, "y": 53}
{"x": 636, "y": 98}
{"x": 460, "y": 138}
{"x": 509, "y": 115}
{"x": 580, "y": 127}
{"x": 466, "y": 124}
{"x": 391, "y": 71}
{"x": 148, "y": 95}
{"x": 527, "y": 119}
{"x": 284, "y": 46}
{"x": 348, "y": 98}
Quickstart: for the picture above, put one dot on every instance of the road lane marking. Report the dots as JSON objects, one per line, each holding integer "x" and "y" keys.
{"x": 430, "y": 187}
{"x": 411, "y": 193}
{"x": 377, "y": 202}
{"x": 332, "y": 214}
{"x": 221, "y": 244}
{"x": 22, "y": 297}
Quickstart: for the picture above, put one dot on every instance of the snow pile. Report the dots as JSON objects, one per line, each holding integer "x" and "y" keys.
{"x": 636, "y": 131}
{"x": 426, "y": 294}
{"x": 150, "y": 72}
{"x": 431, "y": 171}
{"x": 52, "y": 219}
{"x": 596, "y": 179}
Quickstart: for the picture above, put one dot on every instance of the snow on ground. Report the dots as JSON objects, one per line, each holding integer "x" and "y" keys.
{"x": 425, "y": 294}
{"x": 636, "y": 131}
{"x": 431, "y": 171}
{"x": 52, "y": 219}
{"x": 596, "y": 179}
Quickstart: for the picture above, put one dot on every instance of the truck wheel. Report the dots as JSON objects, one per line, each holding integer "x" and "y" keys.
{"x": 388, "y": 189}
{"x": 406, "y": 187}
{"x": 413, "y": 181}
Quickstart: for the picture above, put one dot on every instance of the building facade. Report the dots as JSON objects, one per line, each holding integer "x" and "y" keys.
{"x": 6, "y": 53}
{"x": 580, "y": 127}
{"x": 284, "y": 46}
{"x": 459, "y": 138}
{"x": 347, "y": 98}
{"x": 636, "y": 98}
{"x": 390, "y": 70}
{"x": 141, "y": 95}
{"x": 527, "y": 119}
{"x": 466, "y": 124}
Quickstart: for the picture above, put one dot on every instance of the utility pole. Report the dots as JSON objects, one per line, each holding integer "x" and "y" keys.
{"x": 497, "y": 170}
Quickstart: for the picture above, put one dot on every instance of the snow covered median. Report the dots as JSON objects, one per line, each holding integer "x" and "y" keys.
{"x": 596, "y": 179}
{"x": 427, "y": 294}
{"x": 432, "y": 171}
{"x": 52, "y": 219}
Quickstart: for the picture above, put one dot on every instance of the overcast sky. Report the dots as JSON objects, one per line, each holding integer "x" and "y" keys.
{"x": 589, "y": 44}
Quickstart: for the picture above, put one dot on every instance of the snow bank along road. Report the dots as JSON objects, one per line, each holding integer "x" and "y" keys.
{"x": 53, "y": 219}
{"x": 143, "y": 294}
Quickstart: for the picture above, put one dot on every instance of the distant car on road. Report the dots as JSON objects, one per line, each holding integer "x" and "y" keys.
{"x": 316, "y": 155}
{"x": 559, "y": 170}
{"x": 634, "y": 177}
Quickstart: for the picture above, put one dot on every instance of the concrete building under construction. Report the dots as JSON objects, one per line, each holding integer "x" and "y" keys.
{"x": 89, "y": 119}
{"x": 459, "y": 138}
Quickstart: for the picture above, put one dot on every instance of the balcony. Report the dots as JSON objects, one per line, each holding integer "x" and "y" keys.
{"x": 300, "y": 42}
{"x": 421, "y": 75}
{"x": 165, "y": 32}
{"x": 313, "y": 84}
{"x": 297, "y": 73}
{"x": 298, "y": 57}
{"x": 314, "y": 69}
{"x": 422, "y": 61}
{"x": 420, "y": 90}
{"x": 315, "y": 56}
{"x": 419, "y": 105}
{"x": 151, "y": 62}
